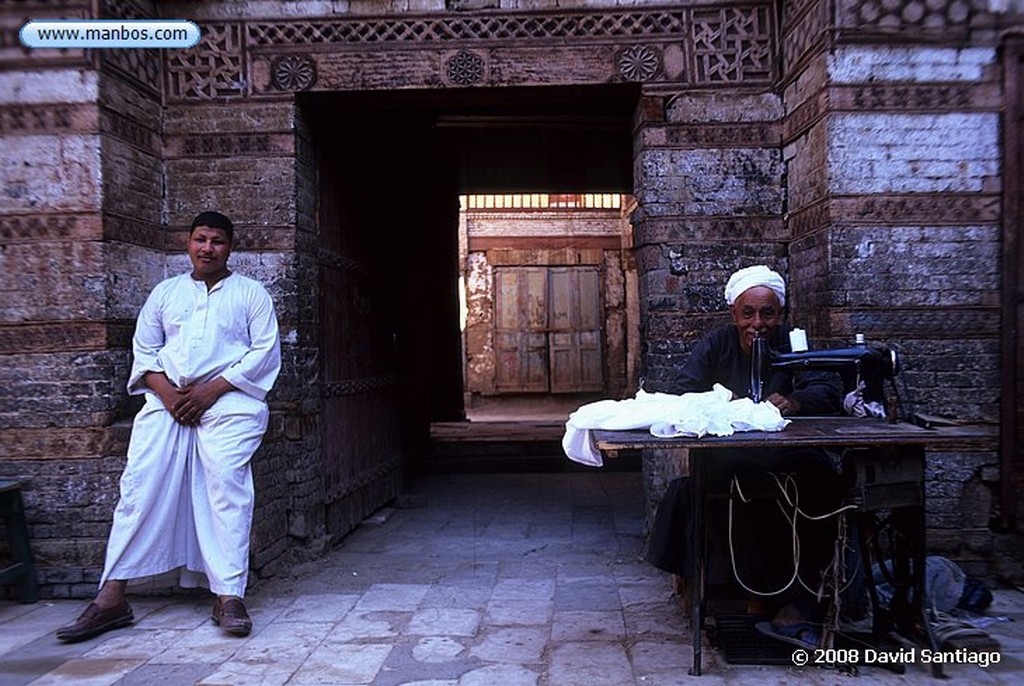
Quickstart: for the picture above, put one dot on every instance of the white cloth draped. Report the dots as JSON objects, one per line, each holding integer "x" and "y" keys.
{"x": 690, "y": 414}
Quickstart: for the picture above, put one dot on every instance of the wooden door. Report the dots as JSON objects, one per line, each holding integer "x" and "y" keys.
{"x": 575, "y": 324}
{"x": 548, "y": 329}
{"x": 359, "y": 414}
{"x": 520, "y": 330}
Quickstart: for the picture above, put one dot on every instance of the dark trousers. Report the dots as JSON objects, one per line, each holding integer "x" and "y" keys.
{"x": 761, "y": 534}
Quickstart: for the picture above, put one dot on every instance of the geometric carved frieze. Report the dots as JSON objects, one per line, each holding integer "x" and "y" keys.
{"x": 916, "y": 209}
{"x": 804, "y": 116}
{"x": 922, "y": 15}
{"x": 699, "y": 45}
{"x": 126, "y": 9}
{"x": 918, "y": 323}
{"x": 247, "y": 238}
{"x": 912, "y": 97}
{"x": 134, "y": 232}
{"x": 228, "y": 145}
{"x": 744, "y": 135}
{"x": 80, "y": 336}
{"x": 338, "y": 389}
{"x": 48, "y": 228}
{"x": 13, "y": 16}
{"x": 441, "y": 29}
{"x": 141, "y": 67}
{"x": 130, "y": 131}
{"x": 804, "y": 30}
{"x": 33, "y": 120}
{"x": 809, "y": 219}
{"x": 709, "y": 229}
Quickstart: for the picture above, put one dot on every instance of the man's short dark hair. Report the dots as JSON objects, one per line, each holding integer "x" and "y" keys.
{"x": 215, "y": 220}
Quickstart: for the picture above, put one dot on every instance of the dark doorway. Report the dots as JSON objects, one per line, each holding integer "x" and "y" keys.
{"x": 392, "y": 166}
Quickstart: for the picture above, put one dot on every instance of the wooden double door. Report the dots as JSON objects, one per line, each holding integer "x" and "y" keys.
{"x": 548, "y": 329}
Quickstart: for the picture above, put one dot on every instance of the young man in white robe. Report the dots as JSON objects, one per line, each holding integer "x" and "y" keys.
{"x": 206, "y": 353}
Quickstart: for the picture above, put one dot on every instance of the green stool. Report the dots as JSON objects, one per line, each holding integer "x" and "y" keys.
{"x": 22, "y": 566}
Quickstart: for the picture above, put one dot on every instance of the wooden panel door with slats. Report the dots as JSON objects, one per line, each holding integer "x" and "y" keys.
{"x": 548, "y": 330}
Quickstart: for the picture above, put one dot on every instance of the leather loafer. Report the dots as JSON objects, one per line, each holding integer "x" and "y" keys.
{"x": 95, "y": 621}
{"x": 232, "y": 616}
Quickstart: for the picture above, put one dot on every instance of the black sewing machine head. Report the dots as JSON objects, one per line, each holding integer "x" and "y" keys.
{"x": 863, "y": 365}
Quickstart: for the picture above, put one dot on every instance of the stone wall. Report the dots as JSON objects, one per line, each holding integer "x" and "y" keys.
{"x": 58, "y": 394}
{"x": 892, "y": 164}
{"x": 709, "y": 188}
{"x": 915, "y": 246}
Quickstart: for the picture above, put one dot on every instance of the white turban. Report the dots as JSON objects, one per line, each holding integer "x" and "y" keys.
{"x": 750, "y": 277}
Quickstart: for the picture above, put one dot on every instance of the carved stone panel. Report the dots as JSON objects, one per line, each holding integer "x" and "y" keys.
{"x": 293, "y": 72}
{"x": 732, "y": 45}
{"x": 466, "y": 68}
{"x": 212, "y": 69}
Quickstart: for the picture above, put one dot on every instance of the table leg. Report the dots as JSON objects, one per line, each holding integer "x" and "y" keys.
{"x": 904, "y": 530}
{"x": 700, "y": 544}
{"x": 919, "y": 556}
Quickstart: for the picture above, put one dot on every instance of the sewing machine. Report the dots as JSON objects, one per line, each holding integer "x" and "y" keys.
{"x": 864, "y": 368}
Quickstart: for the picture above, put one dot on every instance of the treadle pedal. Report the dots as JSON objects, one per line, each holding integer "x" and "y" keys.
{"x": 741, "y": 644}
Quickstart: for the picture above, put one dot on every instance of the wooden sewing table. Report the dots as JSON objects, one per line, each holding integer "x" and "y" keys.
{"x": 891, "y": 480}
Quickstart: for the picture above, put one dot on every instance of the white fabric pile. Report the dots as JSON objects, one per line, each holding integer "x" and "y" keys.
{"x": 691, "y": 414}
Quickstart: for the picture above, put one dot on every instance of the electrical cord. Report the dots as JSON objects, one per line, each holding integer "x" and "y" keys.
{"x": 793, "y": 502}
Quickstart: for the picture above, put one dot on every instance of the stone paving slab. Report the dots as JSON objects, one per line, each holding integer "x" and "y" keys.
{"x": 562, "y": 610}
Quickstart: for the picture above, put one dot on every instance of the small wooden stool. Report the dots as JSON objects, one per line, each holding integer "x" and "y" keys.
{"x": 22, "y": 566}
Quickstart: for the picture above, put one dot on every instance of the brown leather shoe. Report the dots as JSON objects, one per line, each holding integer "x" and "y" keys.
{"x": 232, "y": 616}
{"x": 95, "y": 621}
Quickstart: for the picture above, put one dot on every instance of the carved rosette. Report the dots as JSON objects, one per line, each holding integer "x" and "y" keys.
{"x": 639, "y": 63}
{"x": 465, "y": 68}
{"x": 293, "y": 72}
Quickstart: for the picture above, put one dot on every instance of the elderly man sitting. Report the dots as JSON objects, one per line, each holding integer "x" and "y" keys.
{"x": 754, "y": 544}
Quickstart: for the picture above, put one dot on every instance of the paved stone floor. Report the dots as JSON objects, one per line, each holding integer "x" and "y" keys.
{"x": 473, "y": 580}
